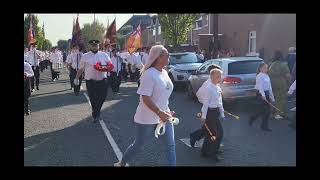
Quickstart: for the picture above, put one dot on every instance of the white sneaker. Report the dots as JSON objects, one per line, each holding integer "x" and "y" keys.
{"x": 293, "y": 109}
{"x": 278, "y": 117}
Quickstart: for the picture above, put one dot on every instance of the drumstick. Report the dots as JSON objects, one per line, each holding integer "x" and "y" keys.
{"x": 236, "y": 117}
{"x": 273, "y": 106}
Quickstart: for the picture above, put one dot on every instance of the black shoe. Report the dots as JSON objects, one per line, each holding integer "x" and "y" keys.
{"x": 251, "y": 120}
{"x": 192, "y": 141}
{"x": 28, "y": 112}
{"x": 266, "y": 129}
{"x": 37, "y": 87}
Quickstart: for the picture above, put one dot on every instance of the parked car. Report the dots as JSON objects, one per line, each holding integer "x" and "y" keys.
{"x": 239, "y": 75}
{"x": 181, "y": 65}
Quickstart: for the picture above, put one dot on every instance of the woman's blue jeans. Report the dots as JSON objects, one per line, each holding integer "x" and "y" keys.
{"x": 144, "y": 131}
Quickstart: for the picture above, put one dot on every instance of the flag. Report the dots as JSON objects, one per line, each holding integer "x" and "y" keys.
{"x": 111, "y": 35}
{"x": 76, "y": 37}
{"x": 31, "y": 33}
{"x": 134, "y": 41}
{"x": 73, "y": 28}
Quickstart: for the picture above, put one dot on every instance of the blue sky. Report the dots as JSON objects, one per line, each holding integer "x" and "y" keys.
{"x": 59, "y": 26}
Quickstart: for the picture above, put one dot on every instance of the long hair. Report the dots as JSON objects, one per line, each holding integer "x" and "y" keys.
{"x": 155, "y": 52}
{"x": 278, "y": 56}
{"x": 260, "y": 66}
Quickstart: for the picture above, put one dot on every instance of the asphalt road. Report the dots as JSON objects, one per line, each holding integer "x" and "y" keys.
{"x": 60, "y": 132}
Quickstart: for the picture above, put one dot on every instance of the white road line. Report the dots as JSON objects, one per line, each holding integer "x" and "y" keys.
{"x": 108, "y": 134}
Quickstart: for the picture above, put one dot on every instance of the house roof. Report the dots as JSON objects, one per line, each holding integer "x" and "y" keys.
{"x": 134, "y": 21}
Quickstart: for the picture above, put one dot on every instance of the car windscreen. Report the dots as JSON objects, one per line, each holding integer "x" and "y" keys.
{"x": 243, "y": 67}
{"x": 183, "y": 59}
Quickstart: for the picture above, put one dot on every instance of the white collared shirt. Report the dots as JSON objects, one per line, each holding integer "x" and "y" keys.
{"x": 88, "y": 61}
{"x": 54, "y": 57}
{"x": 74, "y": 60}
{"x": 137, "y": 61}
{"x": 116, "y": 61}
{"x": 34, "y": 57}
{"x": 212, "y": 98}
{"x": 145, "y": 58}
{"x": 263, "y": 83}
{"x": 28, "y": 69}
{"x": 158, "y": 86}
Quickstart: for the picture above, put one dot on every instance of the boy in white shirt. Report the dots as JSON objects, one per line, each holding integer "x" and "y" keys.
{"x": 211, "y": 110}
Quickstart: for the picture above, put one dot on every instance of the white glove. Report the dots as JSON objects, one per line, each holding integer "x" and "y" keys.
{"x": 76, "y": 82}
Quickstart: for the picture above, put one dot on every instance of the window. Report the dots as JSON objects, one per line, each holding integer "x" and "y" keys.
{"x": 206, "y": 20}
{"x": 252, "y": 42}
{"x": 204, "y": 66}
{"x": 199, "y": 23}
{"x": 183, "y": 58}
{"x": 243, "y": 67}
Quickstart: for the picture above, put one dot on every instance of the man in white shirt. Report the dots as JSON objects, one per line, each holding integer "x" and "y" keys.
{"x": 28, "y": 73}
{"x": 115, "y": 77}
{"x": 145, "y": 55}
{"x": 138, "y": 65}
{"x": 73, "y": 62}
{"x": 211, "y": 110}
{"x": 54, "y": 60}
{"x": 34, "y": 60}
{"x": 95, "y": 63}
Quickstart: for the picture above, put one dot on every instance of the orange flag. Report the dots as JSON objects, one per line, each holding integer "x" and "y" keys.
{"x": 134, "y": 41}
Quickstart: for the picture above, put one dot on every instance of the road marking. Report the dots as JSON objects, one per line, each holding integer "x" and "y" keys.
{"x": 106, "y": 131}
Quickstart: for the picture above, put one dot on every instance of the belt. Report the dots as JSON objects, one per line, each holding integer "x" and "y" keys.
{"x": 214, "y": 109}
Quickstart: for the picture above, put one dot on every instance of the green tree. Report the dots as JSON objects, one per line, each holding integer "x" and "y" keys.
{"x": 175, "y": 27}
{"x": 94, "y": 30}
{"x": 47, "y": 45}
{"x": 63, "y": 45}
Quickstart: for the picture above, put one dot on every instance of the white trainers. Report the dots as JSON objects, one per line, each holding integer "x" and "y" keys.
{"x": 293, "y": 109}
{"x": 278, "y": 117}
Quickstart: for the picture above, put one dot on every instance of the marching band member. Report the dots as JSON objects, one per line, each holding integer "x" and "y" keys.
{"x": 34, "y": 60}
{"x": 73, "y": 62}
{"x": 95, "y": 63}
{"x": 264, "y": 93}
{"x": 211, "y": 110}
{"x": 54, "y": 60}
{"x": 115, "y": 77}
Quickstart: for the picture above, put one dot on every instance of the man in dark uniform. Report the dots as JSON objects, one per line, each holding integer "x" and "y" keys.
{"x": 95, "y": 64}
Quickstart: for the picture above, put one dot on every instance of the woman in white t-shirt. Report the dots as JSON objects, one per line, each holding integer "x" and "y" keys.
{"x": 155, "y": 90}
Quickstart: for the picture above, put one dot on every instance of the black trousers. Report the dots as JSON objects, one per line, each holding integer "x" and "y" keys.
{"x": 54, "y": 74}
{"x": 124, "y": 72}
{"x": 97, "y": 94}
{"x": 264, "y": 111}
{"x": 27, "y": 93}
{"x": 42, "y": 65}
{"x": 72, "y": 75}
{"x": 115, "y": 81}
{"x": 36, "y": 71}
{"x": 214, "y": 124}
{"x": 131, "y": 74}
{"x": 137, "y": 76}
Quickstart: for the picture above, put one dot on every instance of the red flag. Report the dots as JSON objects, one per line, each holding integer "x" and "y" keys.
{"x": 134, "y": 41}
{"x": 31, "y": 34}
{"x": 111, "y": 35}
{"x": 76, "y": 38}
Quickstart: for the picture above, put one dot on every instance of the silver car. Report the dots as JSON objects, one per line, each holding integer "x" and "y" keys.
{"x": 239, "y": 75}
{"x": 181, "y": 65}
